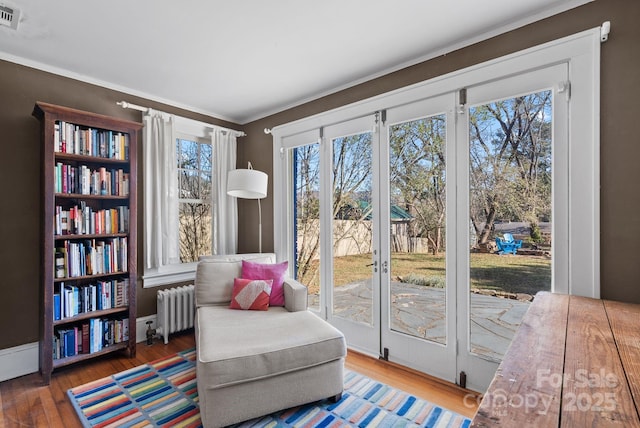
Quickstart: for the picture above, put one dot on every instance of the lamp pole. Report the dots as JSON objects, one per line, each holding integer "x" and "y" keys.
{"x": 259, "y": 226}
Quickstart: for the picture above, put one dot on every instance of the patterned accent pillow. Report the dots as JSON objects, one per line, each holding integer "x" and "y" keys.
{"x": 252, "y": 270}
{"x": 250, "y": 294}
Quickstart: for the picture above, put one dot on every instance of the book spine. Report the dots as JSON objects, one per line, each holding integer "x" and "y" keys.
{"x": 56, "y": 137}
{"x": 85, "y": 338}
{"x": 63, "y": 137}
{"x": 56, "y": 306}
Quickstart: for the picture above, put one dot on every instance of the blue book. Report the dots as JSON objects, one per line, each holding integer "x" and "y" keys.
{"x": 99, "y": 296}
{"x": 76, "y": 301}
{"x": 92, "y": 333}
{"x": 110, "y": 144}
{"x": 94, "y": 141}
{"x": 56, "y": 307}
{"x": 69, "y": 343}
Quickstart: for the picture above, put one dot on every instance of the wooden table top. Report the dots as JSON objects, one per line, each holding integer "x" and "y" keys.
{"x": 574, "y": 362}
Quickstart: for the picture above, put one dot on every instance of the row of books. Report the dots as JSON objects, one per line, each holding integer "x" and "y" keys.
{"x": 91, "y": 257}
{"x": 73, "y": 139}
{"x": 70, "y": 300}
{"x": 86, "y": 181}
{"x": 89, "y": 337}
{"x": 83, "y": 220}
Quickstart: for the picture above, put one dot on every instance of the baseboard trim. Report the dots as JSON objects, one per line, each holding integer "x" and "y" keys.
{"x": 19, "y": 361}
{"x": 24, "y": 359}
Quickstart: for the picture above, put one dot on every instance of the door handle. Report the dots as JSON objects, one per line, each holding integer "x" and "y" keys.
{"x": 373, "y": 264}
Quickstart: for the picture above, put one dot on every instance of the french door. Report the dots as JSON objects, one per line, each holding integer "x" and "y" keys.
{"x": 352, "y": 244}
{"x": 418, "y": 211}
{"x": 414, "y": 274}
{"x": 513, "y": 181}
{"x": 424, "y": 220}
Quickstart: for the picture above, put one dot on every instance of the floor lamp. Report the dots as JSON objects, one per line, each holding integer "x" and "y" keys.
{"x": 249, "y": 184}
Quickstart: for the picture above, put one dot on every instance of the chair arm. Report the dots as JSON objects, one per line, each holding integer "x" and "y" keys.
{"x": 295, "y": 295}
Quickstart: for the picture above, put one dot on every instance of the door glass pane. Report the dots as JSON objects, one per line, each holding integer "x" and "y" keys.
{"x": 510, "y": 215}
{"x": 417, "y": 226}
{"x": 352, "y": 228}
{"x": 306, "y": 176}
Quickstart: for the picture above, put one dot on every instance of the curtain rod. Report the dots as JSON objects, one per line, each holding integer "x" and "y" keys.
{"x": 125, "y": 104}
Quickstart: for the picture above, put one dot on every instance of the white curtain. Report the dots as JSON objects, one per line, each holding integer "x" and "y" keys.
{"x": 160, "y": 191}
{"x": 226, "y": 218}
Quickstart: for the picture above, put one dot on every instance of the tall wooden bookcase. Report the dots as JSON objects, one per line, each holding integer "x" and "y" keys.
{"x": 89, "y": 209}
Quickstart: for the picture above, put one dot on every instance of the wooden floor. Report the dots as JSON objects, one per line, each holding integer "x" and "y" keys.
{"x": 26, "y": 402}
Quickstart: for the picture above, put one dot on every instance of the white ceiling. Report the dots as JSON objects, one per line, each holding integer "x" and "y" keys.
{"x": 241, "y": 60}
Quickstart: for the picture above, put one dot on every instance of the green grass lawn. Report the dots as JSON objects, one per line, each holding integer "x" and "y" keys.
{"x": 509, "y": 273}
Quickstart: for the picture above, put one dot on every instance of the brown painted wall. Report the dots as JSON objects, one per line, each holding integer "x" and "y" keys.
{"x": 20, "y": 88}
{"x": 620, "y": 144}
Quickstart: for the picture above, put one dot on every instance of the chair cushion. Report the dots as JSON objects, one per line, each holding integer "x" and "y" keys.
{"x": 251, "y": 294}
{"x": 273, "y": 271}
{"x": 215, "y": 275}
{"x": 239, "y": 346}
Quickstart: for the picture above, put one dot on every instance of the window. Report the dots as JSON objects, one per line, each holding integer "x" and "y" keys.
{"x": 179, "y": 196}
{"x": 195, "y": 202}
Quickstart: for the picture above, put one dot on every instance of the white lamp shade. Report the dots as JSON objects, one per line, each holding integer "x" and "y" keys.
{"x": 247, "y": 184}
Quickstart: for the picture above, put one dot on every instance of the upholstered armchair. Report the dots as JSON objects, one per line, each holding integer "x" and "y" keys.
{"x": 255, "y": 362}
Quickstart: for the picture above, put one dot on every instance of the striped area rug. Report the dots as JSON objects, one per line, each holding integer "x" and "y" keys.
{"x": 164, "y": 393}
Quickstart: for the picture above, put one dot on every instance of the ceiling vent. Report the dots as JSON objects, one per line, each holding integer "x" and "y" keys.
{"x": 9, "y": 17}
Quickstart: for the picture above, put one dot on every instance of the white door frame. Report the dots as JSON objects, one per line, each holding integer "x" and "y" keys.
{"x": 430, "y": 357}
{"x": 479, "y": 370}
{"x": 360, "y": 336}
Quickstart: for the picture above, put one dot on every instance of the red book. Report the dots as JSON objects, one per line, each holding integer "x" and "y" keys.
{"x": 85, "y": 338}
{"x": 64, "y": 178}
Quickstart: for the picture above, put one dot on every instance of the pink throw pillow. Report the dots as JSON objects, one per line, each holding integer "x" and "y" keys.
{"x": 250, "y": 294}
{"x": 251, "y": 270}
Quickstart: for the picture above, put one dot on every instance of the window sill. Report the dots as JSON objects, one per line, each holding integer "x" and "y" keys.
{"x": 169, "y": 275}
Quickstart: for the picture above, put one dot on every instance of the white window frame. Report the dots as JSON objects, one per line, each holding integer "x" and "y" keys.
{"x": 185, "y": 129}
{"x": 581, "y": 52}
{"x": 200, "y": 141}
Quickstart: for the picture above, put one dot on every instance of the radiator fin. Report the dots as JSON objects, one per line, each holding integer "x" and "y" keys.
{"x": 176, "y": 309}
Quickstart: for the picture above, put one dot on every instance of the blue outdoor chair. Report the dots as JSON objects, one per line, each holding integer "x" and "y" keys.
{"x": 508, "y": 245}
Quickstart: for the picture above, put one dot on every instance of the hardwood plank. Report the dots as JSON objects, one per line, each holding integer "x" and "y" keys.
{"x": 37, "y": 413}
{"x": 624, "y": 319}
{"x": 591, "y": 360}
{"x": 22, "y": 404}
{"x": 2, "y": 424}
{"x": 519, "y": 395}
{"x": 50, "y": 409}
{"x": 59, "y": 386}
{"x": 9, "y": 407}
{"x": 434, "y": 390}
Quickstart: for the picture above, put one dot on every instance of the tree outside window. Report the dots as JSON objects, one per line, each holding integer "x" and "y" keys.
{"x": 195, "y": 202}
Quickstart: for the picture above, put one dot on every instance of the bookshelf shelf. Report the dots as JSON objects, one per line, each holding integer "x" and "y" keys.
{"x": 89, "y": 236}
{"x": 89, "y": 159}
{"x": 61, "y": 362}
{"x": 82, "y": 153}
{"x": 96, "y": 197}
{"x": 91, "y": 314}
{"x": 84, "y": 277}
